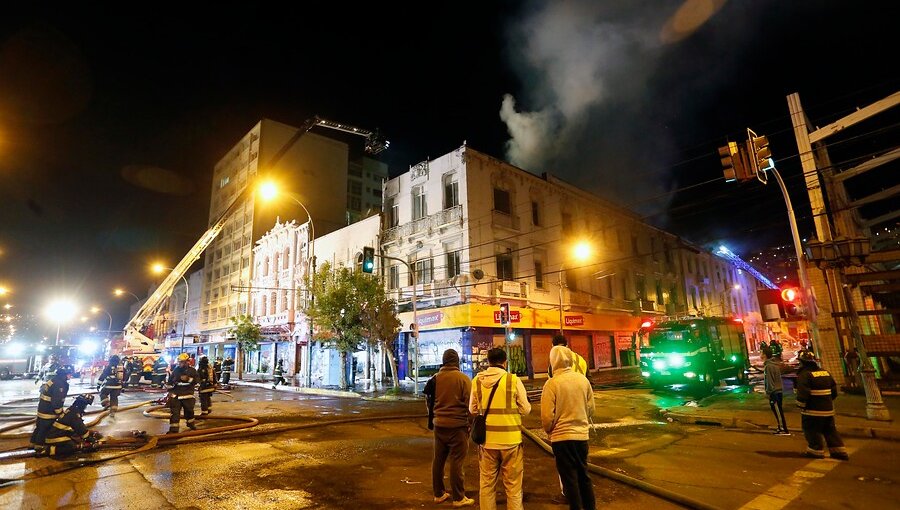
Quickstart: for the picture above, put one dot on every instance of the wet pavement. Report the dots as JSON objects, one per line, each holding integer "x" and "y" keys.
{"x": 385, "y": 464}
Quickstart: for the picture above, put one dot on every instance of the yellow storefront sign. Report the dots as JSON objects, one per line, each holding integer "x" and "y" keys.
{"x": 488, "y": 316}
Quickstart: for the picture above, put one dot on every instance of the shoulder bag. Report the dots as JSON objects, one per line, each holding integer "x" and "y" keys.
{"x": 479, "y": 426}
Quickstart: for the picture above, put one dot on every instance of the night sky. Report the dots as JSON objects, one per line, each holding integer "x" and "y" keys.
{"x": 112, "y": 117}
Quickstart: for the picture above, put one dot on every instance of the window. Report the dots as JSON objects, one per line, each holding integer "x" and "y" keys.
{"x": 355, "y": 203}
{"x": 504, "y": 266}
{"x": 418, "y": 206}
{"x": 535, "y": 214}
{"x": 640, "y": 287}
{"x": 284, "y": 300}
{"x": 393, "y": 213}
{"x": 376, "y": 192}
{"x": 394, "y": 277}
{"x": 451, "y": 191}
{"x": 354, "y": 187}
{"x": 501, "y": 201}
{"x": 287, "y": 258}
{"x": 566, "y": 223}
{"x": 424, "y": 271}
{"x": 452, "y": 264}
{"x": 660, "y": 298}
{"x": 539, "y": 274}
{"x": 224, "y": 181}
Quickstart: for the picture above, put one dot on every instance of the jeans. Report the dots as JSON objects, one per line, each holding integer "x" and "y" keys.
{"x": 452, "y": 442}
{"x": 571, "y": 463}
{"x": 494, "y": 464}
{"x": 775, "y": 402}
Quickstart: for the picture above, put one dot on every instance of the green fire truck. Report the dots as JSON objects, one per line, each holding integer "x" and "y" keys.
{"x": 694, "y": 350}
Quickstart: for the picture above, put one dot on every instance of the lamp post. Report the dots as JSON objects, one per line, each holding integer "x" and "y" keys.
{"x": 97, "y": 309}
{"x": 119, "y": 292}
{"x": 159, "y": 268}
{"x": 60, "y": 311}
{"x": 581, "y": 252}
{"x": 838, "y": 254}
{"x": 268, "y": 191}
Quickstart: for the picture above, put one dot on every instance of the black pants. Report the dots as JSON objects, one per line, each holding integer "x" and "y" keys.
{"x": 206, "y": 401}
{"x": 775, "y": 402}
{"x": 175, "y": 406}
{"x": 820, "y": 431}
{"x": 157, "y": 380}
{"x": 41, "y": 427}
{"x": 278, "y": 379}
{"x": 226, "y": 376}
{"x": 571, "y": 463}
{"x": 452, "y": 442}
{"x": 110, "y": 398}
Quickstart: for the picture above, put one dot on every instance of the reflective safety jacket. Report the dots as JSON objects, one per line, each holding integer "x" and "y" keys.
{"x": 69, "y": 427}
{"x": 48, "y": 371}
{"x": 160, "y": 366}
{"x": 183, "y": 381}
{"x": 112, "y": 377}
{"x": 53, "y": 394}
{"x": 279, "y": 370}
{"x": 503, "y": 418}
{"x": 207, "y": 379}
{"x": 816, "y": 390}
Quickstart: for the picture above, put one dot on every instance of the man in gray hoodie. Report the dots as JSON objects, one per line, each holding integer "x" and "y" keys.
{"x": 775, "y": 390}
{"x": 567, "y": 404}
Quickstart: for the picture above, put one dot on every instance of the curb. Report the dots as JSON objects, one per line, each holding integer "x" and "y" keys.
{"x": 296, "y": 389}
{"x": 739, "y": 425}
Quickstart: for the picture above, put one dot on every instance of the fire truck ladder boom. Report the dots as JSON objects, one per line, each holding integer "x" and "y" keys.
{"x": 134, "y": 339}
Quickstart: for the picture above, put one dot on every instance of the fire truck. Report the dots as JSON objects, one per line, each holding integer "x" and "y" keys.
{"x": 699, "y": 351}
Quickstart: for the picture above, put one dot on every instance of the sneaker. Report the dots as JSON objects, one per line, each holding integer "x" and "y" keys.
{"x": 559, "y": 499}
{"x": 463, "y": 502}
{"x": 782, "y": 433}
{"x": 444, "y": 497}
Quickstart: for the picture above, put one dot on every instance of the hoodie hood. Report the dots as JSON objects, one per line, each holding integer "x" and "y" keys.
{"x": 491, "y": 376}
{"x": 560, "y": 358}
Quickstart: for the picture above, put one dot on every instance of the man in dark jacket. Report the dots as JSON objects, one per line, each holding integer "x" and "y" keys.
{"x": 160, "y": 367}
{"x": 69, "y": 434}
{"x": 50, "y": 405}
{"x": 182, "y": 382}
{"x": 111, "y": 385}
{"x": 447, "y": 397}
{"x": 816, "y": 391}
{"x": 207, "y": 382}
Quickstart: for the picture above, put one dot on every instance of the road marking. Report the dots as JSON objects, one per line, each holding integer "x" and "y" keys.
{"x": 781, "y": 495}
{"x": 625, "y": 423}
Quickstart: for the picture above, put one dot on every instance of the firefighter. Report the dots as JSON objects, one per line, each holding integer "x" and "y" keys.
{"x": 50, "y": 405}
{"x": 69, "y": 434}
{"x": 160, "y": 369}
{"x": 128, "y": 369}
{"x": 48, "y": 370}
{"x": 227, "y": 368}
{"x": 182, "y": 382}
{"x": 111, "y": 385}
{"x": 816, "y": 391}
{"x": 217, "y": 369}
{"x": 278, "y": 374}
{"x": 207, "y": 379}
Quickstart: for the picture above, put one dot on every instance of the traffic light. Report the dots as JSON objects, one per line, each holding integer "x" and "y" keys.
{"x": 504, "y": 314}
{"x": 368, "y": 259}
{"x": 414, "y": 330}
{"x": 792, "y": 301}
{"x": 760, "y": 154}
{"x": 734, "y": 165}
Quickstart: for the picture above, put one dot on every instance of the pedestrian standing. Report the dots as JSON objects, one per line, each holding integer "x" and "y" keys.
{"x": 501, "y": 456}
{"x": 567, "y": 404}
{"x": 447, "y": 396}
{"x": 851, "y": 359}
{"x": 578, "y": 362}
{"x": 182, "y": 381}
{"x": 816, "y": 391}
{"x": 207, "y": 385}
{"x": 775, "y": 391}
{"x": 111, "y": 385}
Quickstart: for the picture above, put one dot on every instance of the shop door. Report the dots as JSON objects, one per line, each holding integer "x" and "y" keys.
{"x": 581, "y": 345}
{"x": 540, "y": 352}
{"x": 604, "y": 351}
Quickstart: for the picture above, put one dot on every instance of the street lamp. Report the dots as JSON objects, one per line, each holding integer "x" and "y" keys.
{"x": 97, "y": 309}
{"x": 158, "y": 269}
{"x": 60, "y": 311}
{"x": 4, "y": 291}
{"x": 269, "y": 191}
{"x": 838, "y": 254}
{"x": 581, "y": 252}
{"x": 120, "y": 292}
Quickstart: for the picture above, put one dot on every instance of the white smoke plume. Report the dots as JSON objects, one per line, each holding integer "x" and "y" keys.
{"x": 585, "y": 67}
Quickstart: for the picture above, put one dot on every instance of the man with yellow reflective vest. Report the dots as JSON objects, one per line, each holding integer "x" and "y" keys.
{"x": 816, "y": 390}
{"x": 501, "y": 454}
{"x": 578, "y": 364}
{"x": 50, "y": 405}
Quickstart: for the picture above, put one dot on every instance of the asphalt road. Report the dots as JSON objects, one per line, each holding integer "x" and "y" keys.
{"x": 382, "y": 464}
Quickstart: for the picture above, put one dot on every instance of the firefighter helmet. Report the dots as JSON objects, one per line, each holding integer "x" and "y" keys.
{"x": 183, "y": 357}
{"x": 113, "y": 360}
{"x": 806, "y": 356}
{"x": 65, "y": 370}
{"x": 81, "y": 402}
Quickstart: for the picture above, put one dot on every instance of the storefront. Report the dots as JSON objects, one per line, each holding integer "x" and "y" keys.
{"x": 604, "y": 340}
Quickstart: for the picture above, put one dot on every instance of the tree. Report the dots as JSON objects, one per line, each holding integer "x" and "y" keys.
{"x": 382, "y": 326}
{"x": 350, "y": 309}
{"x": 247, "y": 335}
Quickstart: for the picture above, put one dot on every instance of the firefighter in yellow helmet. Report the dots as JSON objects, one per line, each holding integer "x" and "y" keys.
{"x": 182, "y": 382}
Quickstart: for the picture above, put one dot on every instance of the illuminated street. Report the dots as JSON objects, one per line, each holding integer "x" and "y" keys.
{"x": 388, "y": 461}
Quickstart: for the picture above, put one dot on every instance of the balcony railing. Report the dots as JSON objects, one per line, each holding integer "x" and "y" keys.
{"x": 426, "y": 224}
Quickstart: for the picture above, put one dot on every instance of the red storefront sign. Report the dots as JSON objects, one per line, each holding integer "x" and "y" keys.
{"x": 514, "y": 316}
{"x": 574, "y": 320}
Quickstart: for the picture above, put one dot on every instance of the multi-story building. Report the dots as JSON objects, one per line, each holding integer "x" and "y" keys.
{"x": 478, "y": 232}
{"x": 278, "y": 298}
{"x": 318, "y": 170}
{"x": 181, "y": 320}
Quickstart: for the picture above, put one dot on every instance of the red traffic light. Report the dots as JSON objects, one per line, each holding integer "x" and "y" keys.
{"x": 790, "y": 294}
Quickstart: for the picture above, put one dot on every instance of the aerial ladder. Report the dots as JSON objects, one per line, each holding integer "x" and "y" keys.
{"x": 135, "y": 340}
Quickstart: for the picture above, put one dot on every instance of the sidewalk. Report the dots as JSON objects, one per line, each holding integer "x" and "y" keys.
{"x": 751, "y": 412}
{"x": 381, "y": 394}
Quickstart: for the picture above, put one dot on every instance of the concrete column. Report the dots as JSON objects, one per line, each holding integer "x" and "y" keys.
{"x": 829, "y": 347}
